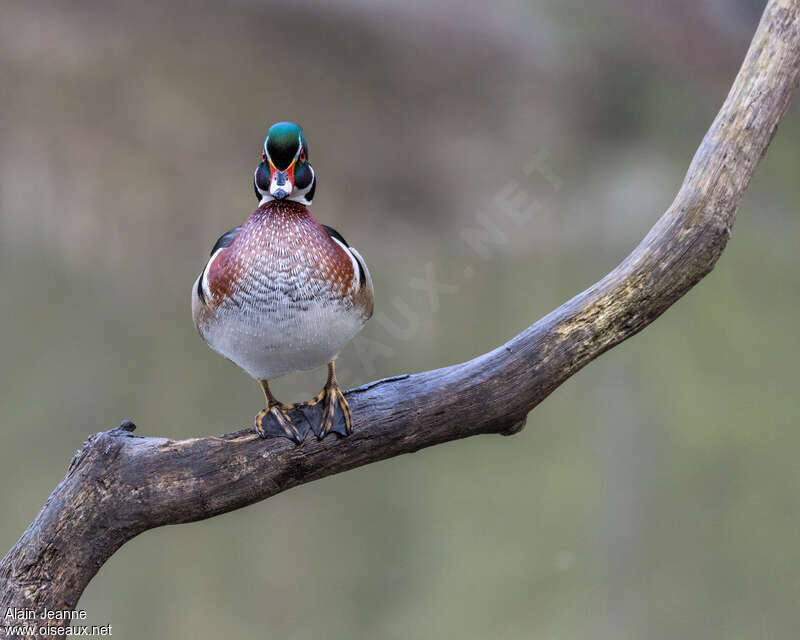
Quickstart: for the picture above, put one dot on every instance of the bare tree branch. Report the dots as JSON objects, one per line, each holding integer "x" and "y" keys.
{"x": 119, "y": 485}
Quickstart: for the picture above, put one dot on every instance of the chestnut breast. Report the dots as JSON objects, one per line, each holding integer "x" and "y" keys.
{"x": 282, "y": 256}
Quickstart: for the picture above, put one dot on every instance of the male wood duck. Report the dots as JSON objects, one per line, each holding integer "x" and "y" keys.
{"x": 284, "y": 293}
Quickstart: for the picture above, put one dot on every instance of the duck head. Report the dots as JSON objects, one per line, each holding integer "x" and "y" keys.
{"x": 284, "y": 171}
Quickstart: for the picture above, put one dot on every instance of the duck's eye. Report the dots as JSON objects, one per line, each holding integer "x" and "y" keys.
{"x": 263, "y": 156}
{"x": 302, "y": 155}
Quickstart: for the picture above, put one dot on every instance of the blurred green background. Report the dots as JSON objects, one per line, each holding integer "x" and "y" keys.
{"x": 654, "y": 495}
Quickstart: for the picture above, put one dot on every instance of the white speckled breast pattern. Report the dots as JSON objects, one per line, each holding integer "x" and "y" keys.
{"x": 283, "y": 296}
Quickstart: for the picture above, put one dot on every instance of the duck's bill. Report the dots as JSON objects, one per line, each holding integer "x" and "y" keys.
{"x": 281, "y": 183}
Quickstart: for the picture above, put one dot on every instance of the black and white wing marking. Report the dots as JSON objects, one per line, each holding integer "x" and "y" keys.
{"x": 223, "y": 242}
{"x": 354, "y": 255}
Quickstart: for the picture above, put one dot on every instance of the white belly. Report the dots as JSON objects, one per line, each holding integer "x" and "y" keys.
{"x": 299, "y": 337}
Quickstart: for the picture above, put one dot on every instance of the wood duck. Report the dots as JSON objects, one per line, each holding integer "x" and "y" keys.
{"x": 284, "y": 293}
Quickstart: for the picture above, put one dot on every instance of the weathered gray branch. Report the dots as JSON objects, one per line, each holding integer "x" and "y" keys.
{"x": 119, "y": 485}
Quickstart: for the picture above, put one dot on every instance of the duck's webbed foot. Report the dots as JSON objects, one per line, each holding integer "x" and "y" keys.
{"x": 279, "y": 420}
{"x": 328, "y": 412}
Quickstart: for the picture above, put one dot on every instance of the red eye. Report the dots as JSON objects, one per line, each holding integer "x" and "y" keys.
{"x": 263, "y": 156}
{"x": 302, "y": 155}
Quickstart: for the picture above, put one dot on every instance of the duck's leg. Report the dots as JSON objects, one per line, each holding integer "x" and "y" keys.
{"x": 329, "y": 411}
{"x": 280, "y": 420}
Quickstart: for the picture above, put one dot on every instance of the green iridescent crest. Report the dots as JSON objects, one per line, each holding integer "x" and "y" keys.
{"x": 284, "y": 140}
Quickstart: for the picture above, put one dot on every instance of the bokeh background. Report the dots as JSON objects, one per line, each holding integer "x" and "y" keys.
{"x": 655, "y": 495}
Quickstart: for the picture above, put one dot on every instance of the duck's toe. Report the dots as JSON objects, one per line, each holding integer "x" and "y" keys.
{"x": 328, "y": 412}
{"x": 282, "y": 421}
